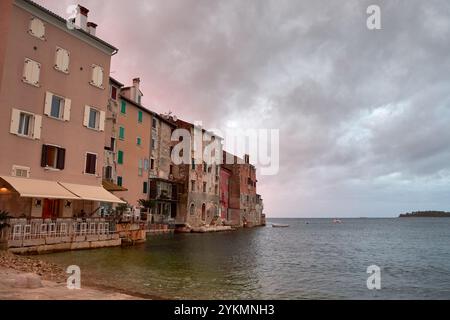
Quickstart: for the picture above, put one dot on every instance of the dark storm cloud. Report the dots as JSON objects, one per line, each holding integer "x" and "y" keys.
{"x": 363, "y": 115}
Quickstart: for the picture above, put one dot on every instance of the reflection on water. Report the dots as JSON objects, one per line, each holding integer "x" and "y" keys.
{"x": 318, "y": 260}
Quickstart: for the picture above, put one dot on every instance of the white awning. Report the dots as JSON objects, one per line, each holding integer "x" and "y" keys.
{"x": 32, "y": 188}
{"x": 92, "y": 193}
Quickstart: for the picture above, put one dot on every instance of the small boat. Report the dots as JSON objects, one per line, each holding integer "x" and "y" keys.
{"x": 337, "y": 221}
{"x": 279, "y": 225}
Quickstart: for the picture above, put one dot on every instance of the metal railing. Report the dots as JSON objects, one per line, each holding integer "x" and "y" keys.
{"x": 28, "y": 232}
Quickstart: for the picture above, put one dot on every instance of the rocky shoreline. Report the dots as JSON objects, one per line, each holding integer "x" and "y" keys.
{"x": 23, "y": 278}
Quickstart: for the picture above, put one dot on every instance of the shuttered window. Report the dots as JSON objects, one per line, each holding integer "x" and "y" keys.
{"x": 121, "y": 133}
{"x": 91, "y": 163}
{"x": 138, "y": 141}
{"x": 25, "y": 124}
{"x": 145, "y": 187}
{"x": 97, "y": 76}
{"x": 119, "y": 181}
{"x": 31, "y": 72}
{"x": 140, "y": 167}
{"x": 53, "y": 157}
{"x": 57, "y": 107}
{"x": 62, "y": 60}
{"x": 140, "y": 115}
{"x": 94, "y": 118}
{"x": 37, "y": 28}
{"x": 120, "y": 157}
{"x": 123, "y": 107}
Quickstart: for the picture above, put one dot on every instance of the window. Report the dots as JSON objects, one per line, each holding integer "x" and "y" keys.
{"x": 145, "y": 187}
{"x": 171, "y": 169}
{"x": 121, "y": 133}
{"x": 140, "y": 168}
{"x": 91, "y": 163}
{"x": 216, "y": 189}
{"x": 37, "y": 28}
{"x": 57, "y": 107}
{"x": 62, "y": 60}
{"x": 139, "y": 98}
{"x": 152, "y": 164}
{"x": 94, "y": 118}
{"x": 138, "y": 141}
{"x": 119, "y": 181}
{"x": 113, "y": 144}
{"x": 192, "y": 209}
{"x": 140, "y": 115}
{"x": 97, "y": 76}
{"x": 123, "y": 107}
{"x": 205, "y": 167}
{"x": 53, "y": 157}
{"x": 193, "y": 164}
{"x": 154, "y": 123}
{"x": 153, "y": 144}
{"x": 108, "y": 173}
{"x": 114, "y": 93}
{"x": 204, "y": 186}
{"x": 25, "y": 124}
{"x": 20, "y": 171}
{"x": 146, "y": 165}
{"x": 192, "y": 185}
{"x": 120, "y": 157}
{"x": 31, "y": 72}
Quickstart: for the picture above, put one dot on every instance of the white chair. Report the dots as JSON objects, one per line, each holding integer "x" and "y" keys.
{"x": 27, "y": 231}
{"x": 43, "y": 230}
{"x": 17, "y": 232}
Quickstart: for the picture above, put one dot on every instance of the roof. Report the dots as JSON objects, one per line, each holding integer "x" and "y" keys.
{"x": 187, "y": 125}
{"x": 79, "y": 31}
{"x": 115, "y": 82}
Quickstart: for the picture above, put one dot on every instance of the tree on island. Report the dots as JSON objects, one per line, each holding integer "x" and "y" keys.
{"x": 426, "y": 214}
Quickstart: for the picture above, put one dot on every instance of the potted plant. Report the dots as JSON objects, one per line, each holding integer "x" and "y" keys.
{"x": 4, "y": 216}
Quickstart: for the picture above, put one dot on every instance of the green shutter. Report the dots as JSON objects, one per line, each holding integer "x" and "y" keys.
{"x": 121, "y": 133}
{"x": 123, "y": 108}
{"x": 145, "y": 189}
{"x": 138, "y": 141}
{"x": 120, "y": 157}
{"x": 140, "y": 116}
{"x": 119, "y": 181}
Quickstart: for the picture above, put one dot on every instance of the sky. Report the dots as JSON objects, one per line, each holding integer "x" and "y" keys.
{"x": 363, "y": 115}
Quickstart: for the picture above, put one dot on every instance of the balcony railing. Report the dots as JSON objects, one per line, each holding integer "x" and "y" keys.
{"x": 33, "y": 232}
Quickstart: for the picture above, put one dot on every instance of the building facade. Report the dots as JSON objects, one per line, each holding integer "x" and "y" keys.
{"x": 53, "y": 101}
{"x": 133, "y": 139}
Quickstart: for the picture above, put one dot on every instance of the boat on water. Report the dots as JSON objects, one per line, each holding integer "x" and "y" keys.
{"x": 279, "y": 225}
{"x": 337, "y": 221}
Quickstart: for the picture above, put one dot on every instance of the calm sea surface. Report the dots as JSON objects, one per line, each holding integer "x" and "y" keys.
{"x": 312, "y": 259}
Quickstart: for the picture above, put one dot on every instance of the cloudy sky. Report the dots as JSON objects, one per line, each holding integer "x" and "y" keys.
{"x": 364, "y": 116}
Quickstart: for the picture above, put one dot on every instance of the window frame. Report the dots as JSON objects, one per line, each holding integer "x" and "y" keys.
{"x": 97, "y": 119}
{"x": 30, "y": 30}
{"x": 86, "y": 163}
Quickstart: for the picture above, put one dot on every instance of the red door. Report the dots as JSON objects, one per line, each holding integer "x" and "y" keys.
{"x": 50, "y": 209}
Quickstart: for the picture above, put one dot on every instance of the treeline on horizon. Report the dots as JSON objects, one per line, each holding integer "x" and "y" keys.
{"x": 426, "y": 214}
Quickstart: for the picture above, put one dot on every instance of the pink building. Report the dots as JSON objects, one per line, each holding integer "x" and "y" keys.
{"x": 53, "y": 102}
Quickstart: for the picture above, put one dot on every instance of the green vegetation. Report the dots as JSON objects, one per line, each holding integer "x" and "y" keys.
{"x": 4, "y": 216}
{"x": 426, "y": 214}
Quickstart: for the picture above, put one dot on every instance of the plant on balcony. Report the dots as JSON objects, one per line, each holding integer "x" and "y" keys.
{"x": 146, "y": 204}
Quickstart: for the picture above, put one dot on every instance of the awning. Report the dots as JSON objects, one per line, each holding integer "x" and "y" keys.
{"x": 92, "y": 193}
{"x": 111, "y": 186}
{"x": 32, "y": 188}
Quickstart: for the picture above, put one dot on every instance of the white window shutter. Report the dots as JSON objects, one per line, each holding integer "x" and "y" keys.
{"x": 101, "y": 126}
{"x": 58, "y": 58}
{"x": 37, "y": 127}
{"x": 100, "y": 76}
{"x": 86, "y": 115}
{"x": 66, "y": 61}
{"x": 48, "y": 103}
{"x": 67, "y": 106}
{"x": 15, "y": 119}
{"x": 27, "y": 70}
{"x": 36, "y": 70}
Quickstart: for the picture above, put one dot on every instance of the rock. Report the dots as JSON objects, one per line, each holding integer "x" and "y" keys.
{"x": 28, "y": 281}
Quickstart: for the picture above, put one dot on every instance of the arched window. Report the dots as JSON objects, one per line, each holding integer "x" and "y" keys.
{"x": 192, "y": 209}
{"x": 203, "y": 211}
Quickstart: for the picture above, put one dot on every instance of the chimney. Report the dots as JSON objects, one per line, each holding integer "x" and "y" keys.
{"x": 91, "y": 28}
{"x": 136, "y": 83}
{"x": 81, "y": 19}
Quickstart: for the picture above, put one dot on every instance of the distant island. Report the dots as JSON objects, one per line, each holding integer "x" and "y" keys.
{"x": 426, "y": 214}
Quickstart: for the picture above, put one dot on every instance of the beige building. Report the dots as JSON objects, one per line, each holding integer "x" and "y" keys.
{"x": 53, "y": 103}
{"x": 133, "y": 142}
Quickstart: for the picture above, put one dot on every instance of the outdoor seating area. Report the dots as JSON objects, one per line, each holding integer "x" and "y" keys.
{"x": 36, "y": 232}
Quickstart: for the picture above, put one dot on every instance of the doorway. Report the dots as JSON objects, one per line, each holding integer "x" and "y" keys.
{"x": 51, "y": 208}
